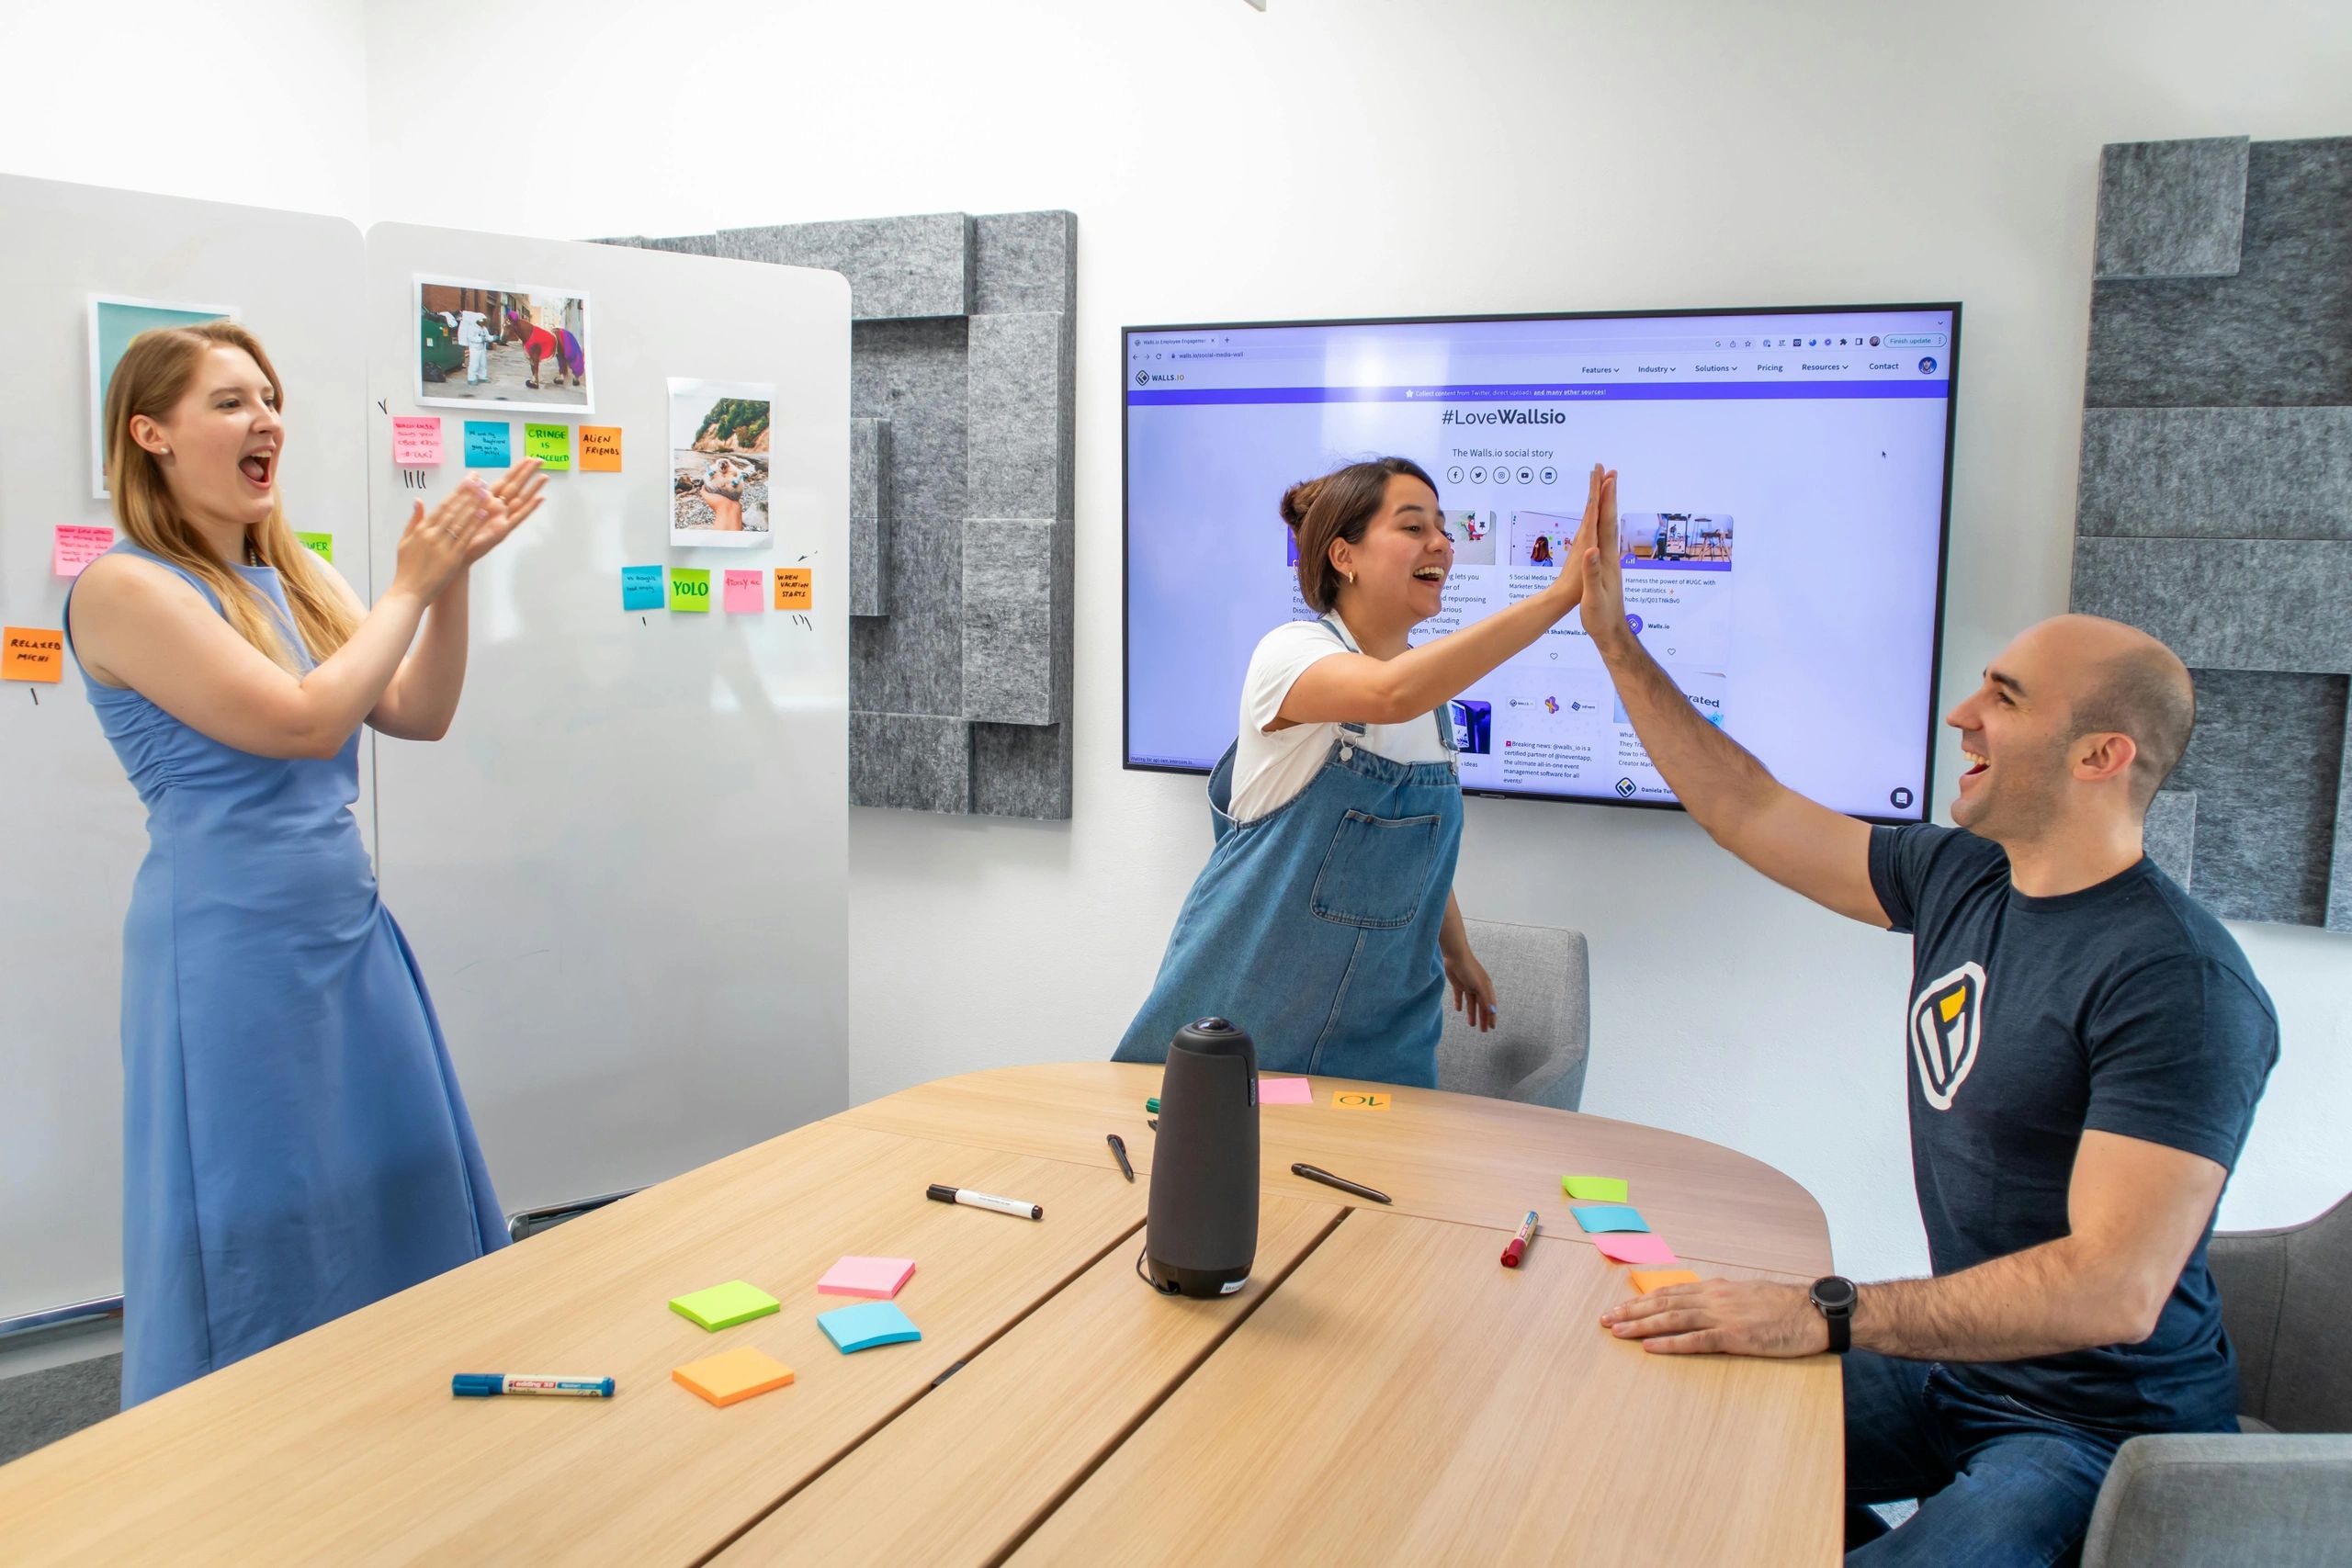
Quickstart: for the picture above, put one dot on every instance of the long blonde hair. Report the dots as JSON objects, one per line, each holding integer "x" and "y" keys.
{"x": 151, "y": 378}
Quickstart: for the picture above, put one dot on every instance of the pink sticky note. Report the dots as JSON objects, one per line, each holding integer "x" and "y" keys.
{"x": 1286, "y": 1091}
{"x": 1634, "y": 1249}
{"x": 878, "y": 1277}
{"x": 743, "y": 595}
{"x": 77, "y": 546}
{"x": 416, "y": 440}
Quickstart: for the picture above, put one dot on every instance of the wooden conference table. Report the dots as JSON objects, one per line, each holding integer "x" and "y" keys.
{"x": 1382, "y": 1391}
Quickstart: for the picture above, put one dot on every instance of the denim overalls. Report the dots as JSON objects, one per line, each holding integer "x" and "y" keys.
{"x": 1315, "y": 927}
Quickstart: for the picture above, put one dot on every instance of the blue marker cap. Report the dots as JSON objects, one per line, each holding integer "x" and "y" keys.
{"x": 477, "y": 1385}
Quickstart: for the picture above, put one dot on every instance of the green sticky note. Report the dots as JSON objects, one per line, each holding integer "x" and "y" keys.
{"x": 690, "y": 588}
{"x": 319, "y": 545}
{"x": 1595, "y": 1189}
{"x": 550, "y": 444}
{"x": 724, "y": 1306}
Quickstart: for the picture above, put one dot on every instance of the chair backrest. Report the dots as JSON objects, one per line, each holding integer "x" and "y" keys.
{"x": 2284, "y": 1294}
{"x": 1544, "y": 1019}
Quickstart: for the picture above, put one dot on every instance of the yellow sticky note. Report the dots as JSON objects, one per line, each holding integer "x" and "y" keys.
{"x": 733, "y": 1375}
{"x": 795, "y": 588}
{"x": 600, "y": 448}
{"x": 34, "y": 653}
{"x": 550, "y": 444}
{"x": 1358, "y": 1099}
{"x": 1648, "y": 1280}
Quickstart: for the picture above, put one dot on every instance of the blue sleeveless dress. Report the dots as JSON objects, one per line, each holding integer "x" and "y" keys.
{"x": 1315, "y": 927}
{"x": 294, "y": 1143}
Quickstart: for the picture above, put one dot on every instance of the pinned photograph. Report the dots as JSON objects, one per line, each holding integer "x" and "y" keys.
{"x": 491, "y": 345}
{"x": 114, "y": 322}
{"x": 718, "y": 460}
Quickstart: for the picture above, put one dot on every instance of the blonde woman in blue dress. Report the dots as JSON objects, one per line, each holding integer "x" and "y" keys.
{"x": 294, "y": 1143}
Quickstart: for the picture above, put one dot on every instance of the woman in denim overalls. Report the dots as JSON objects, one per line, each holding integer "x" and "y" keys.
{"x": 1325, "y": 922}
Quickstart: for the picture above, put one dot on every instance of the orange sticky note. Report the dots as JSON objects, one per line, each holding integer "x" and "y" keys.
{"x": 1358, "y": 1099}
{"x": 733, "y": 1375}
{"x": 795, "y": 588}
{"x": 600, "y": 448}
{"x": 1648, "y": 1280}
{"x": 33, "y": 654}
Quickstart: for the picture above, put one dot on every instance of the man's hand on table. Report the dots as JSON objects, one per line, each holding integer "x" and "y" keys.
{"x": 1731, "y": 1318}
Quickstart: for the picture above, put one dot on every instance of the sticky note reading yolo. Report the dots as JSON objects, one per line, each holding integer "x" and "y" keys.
{"x": 640, "y": 588}
{"x": 32, "y": 653}
{"x": 77, "y": 546}
{"x": 319, "y": 545}
{"x": 723, "y": 1306}
{"x": 1610, "y": 1217}
{"x": 880, "y": 1278}
{"x": 1648, "y": 1280}
{"x": 488, "y": 443}
{"x": 733, "y": 1375}
{"x": 743, "y": 592}
{"x": 1597, "y": 1189}
{"x": 600, "y": 448}
{"x": 1358, "y": 1099}
{"x": 550, "y": 444}
{"x": 1636, "y": 1249}
{"x": 1286, "y": 1091}
{"x": 795, "y": 588}
{"x": 866, "y": 1324}
{"x": 416, "y": 440}
{"x": 690, "y": 588}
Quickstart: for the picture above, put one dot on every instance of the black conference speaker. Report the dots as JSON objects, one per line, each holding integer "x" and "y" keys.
{"x": 1202, "y": 1232}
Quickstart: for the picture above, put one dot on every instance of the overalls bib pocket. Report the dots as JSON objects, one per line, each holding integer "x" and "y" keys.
{"x": 1376, "y": 870}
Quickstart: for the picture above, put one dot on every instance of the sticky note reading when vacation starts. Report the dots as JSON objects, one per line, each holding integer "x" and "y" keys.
{"x": 795, "y": 588}
{"x": 488, "y": 443}
{"x": 1358, "y": 1099}
{"x": 1636, "y": 1248}
{"x": 690, "y": 588}
{"x": 743, "y": 592}
{"x": 1596, "y": 1189}
{"x": 416, "y": 440}
{"x": 1610, "y": 1217}
{"x": 550, "y": 444}
{"x": 640, "y": 588}
{"x": 319, "y": 545}
{"x": 1286, "y": 1091}
{"x": 1648, "y": 1280}
{"x": 600, "y": 448}
{"x": 77, "y": 546}
{"x": 33, "y": 653}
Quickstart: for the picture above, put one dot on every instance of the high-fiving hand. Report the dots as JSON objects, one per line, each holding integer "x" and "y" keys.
{"x": 1597, "y": 557}
{"x": 517, "y": 495}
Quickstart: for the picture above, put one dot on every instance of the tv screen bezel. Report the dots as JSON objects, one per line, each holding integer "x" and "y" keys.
{"x": 1943, "y": 530}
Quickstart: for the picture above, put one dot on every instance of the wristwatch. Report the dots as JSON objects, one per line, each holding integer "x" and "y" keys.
{"x": 1833, "y": 1296}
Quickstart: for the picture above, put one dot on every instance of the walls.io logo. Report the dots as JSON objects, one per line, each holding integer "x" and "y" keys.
{"x": 1946, "y": 1032}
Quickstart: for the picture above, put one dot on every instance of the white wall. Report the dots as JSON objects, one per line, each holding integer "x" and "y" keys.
{"x": 1368, "y": 157}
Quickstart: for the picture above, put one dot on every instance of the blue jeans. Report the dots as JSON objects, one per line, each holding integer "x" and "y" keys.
{"x": 1997, "y": 1483}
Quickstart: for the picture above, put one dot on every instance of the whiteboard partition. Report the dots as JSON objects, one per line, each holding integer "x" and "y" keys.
{"x": 623, "y": 871}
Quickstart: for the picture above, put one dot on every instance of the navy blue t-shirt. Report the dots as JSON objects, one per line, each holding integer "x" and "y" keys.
{"x": 2125, "y": 1008}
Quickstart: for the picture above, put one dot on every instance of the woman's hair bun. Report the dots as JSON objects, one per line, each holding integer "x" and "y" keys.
{"x": 1297, "y": 499}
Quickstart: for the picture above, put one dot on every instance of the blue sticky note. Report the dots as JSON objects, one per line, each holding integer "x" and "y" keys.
{"x": 1609, "y": 1217}
{"x": 640, "y": 588}
{"x": 486, "y": 443}
{"x": 866, "y": 1324}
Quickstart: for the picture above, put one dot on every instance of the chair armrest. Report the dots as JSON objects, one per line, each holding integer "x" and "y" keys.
{"x": 2182, "y": 1499}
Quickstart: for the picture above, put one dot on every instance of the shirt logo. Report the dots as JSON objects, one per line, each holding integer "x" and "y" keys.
{"x": 1947, "y": 1029}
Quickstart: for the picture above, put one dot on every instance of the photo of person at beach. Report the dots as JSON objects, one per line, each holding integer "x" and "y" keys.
{"x": 718, "y": 463}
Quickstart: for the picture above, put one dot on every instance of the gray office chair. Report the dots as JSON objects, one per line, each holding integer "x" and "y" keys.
{"x": 2281, "y": 1494}
{"x": 1544, "y": 1025}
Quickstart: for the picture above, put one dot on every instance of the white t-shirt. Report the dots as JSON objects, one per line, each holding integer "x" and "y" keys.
{"x": 1268, "y": 769}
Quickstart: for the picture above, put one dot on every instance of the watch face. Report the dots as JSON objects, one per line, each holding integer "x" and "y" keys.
{"x": 1834, "y": 1294}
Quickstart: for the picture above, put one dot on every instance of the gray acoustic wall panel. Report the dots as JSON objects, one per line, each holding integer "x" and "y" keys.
{"x": 961, "y": 579}
{"x": 2172, "y": 834}
{"x": 2171, "y": 209}
{"x": 2274, "y": 334}
{"x": 899, "y": 268}
{"x": 869, "y": 509}
{"x": 2269, "y": 473}
{"x": 2227, "y": 604}
{"x": 2215, "y": 508}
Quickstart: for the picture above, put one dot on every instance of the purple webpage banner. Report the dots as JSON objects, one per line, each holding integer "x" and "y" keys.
{"x": 1925, "y": 387}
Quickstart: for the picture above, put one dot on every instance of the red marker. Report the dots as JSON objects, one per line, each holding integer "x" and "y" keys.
{"x": 1518, "y": 1248}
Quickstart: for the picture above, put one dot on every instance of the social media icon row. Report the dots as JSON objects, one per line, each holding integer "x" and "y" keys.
{"x": 1502, "y": 474}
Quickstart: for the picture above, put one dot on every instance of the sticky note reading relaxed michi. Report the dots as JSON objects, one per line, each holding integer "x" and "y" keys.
{"x": 690, "y": 589}
{"x": 32, "y": 653}
{"x": 600, "y": 448}
{"x": 550, "y": 444}
{"x": 416, "y": 440}
{"x": 744, "y": 596}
